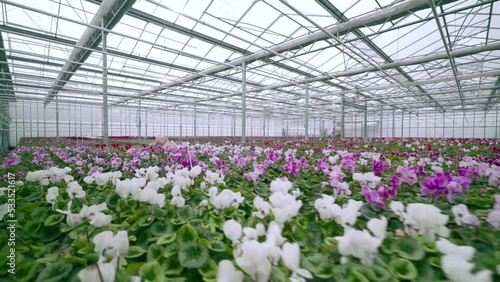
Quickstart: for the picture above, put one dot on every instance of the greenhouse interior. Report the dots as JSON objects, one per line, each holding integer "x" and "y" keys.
{"x": 250, "y": 140}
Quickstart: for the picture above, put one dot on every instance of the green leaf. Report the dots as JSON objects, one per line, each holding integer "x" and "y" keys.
{"x": 186, "y": 234}
{"x": 403, "y": 269}
{"x": 135, "y": 251}
{"x": 152, "y": 271}
{"x": 166, "y": 239}
{"x": 54, "y": 219}
{"x": 357, "y": 276}
{"x": 409, "y": 248}
{"x": 155, "y": 252}
{"x": 55, "y": 272}
{"x": 172, "y": 266}
{"x": 193, "y": 255}
{"x": 26, "y": 270}
{"x": 33, "y": 196}
{"x": 209, "y": 270}
{"x": 218, "y": 246}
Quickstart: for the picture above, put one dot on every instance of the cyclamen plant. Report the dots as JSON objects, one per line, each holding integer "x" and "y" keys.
{"x": 267, "y": 210}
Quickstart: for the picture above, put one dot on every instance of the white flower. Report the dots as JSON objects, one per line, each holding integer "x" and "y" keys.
{"x": 349, "y": 214}
{"x": 359, "y": 244}
{"x": 291, "y": 257}
{"x": 273, "y": 236}
{"x": 213, "y": 177}
{"x": 107, "y": 244}
{"x": 88, "y": 212}
{"x": 281, "y": 185}
{"x": 52, "y": 195}
{"x": 178, "y": 201}
{"x": 448, "y": 248}
{"x": 457, "y": 269}
{"x": 38, "y": 176}
{"x": 105, "y": 273}
{"x": 262, "y": 206}
{"x": 68, "y": 178}
{"x": 378, "y": 227}
{"x": 100, "y": 219}
{"x": 254, "y": 260}
{"x": 102, "y": 241}
{"x": 119, "y": 245}
{"x": 150, "y": 196}
{"x": 195, "y": 171}
{"x": 398, "y": 208}
{"x": 74, "y": 190}
{"x": 71, "y": 218}
{"x": 233, "y": 230}
{"x": 429, "y": 220}
{"x": 228, "y": 273}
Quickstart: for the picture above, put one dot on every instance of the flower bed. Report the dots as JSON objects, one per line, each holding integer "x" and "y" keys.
{"x": 386, "y": 209}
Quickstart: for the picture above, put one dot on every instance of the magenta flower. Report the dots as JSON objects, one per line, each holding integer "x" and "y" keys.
{"x": 379, "y": 167}
{"x": 445, "y": 183}
{"x": 372, "y": 196}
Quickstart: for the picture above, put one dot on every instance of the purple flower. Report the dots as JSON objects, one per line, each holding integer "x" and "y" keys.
{"x": 379, "y": 167}
{"x": 348, "y": 162}
{"x": 251, "y": 176}
{"x": 372, "y": 196}
{"x": 445, "y": 183}
{"x": 396, "y": 182}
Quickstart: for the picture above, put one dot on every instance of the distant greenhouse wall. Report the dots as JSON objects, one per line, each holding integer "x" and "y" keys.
{"x": 32, "y": 119}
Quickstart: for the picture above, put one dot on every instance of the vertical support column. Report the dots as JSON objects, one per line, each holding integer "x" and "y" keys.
{"x": 74, "y": 109}
{"x": 139, "y": 120}
{"x": 91, "y": 121}
{"x": 426, "y": 115}
{"x": 15, "y": 116}
{"x": 356, "y": 125}
{"x": 209, "y": 122}
{"x": 381, "y": 119}
{"x": 44, "y": 123}
{"x": 484, "y": 123}
{"x": 180, "y": 124}
{"x": 463, "y": 125}
{"x": 409, "y": 124}
{"x": 264, "y": 126}
{"x": 393, "y": 122}
{"x": 306, "y": 122}
{"x": 104, "y": 85}
{"x": 334, "y": 126}
{"x": 342, "y": 117}
{"x": 474, "y": 124}
{"x": 38, "y": 121}
{"x": 146, "y": 124}
{"x": 453, "y": 125}
{"x": 194, "y": 123}
{"x": 444, "y": 123}
{"x": 234, "y": 123}
{"x": 435, "y": 121}
{"x": 31, "y": 121}
{"x": 402, "y": 122}
{"x": 251, "y": 127}
{"x": 57, "y": 115}
{"x": 69, "y": 120}
{"x": 418, "y": 124}
{"x": 365, "y": 128}
{"x": 81, "y": 122}
{"x": 496, "y": 124}
{"x": 243, "y": 102}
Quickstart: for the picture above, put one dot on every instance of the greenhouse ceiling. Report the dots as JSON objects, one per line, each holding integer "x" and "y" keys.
{"x": 203, "y": 54}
